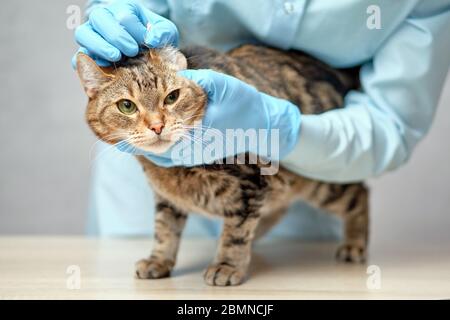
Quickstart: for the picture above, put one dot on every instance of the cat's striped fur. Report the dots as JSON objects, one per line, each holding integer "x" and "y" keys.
{"x": 249, "y": 203}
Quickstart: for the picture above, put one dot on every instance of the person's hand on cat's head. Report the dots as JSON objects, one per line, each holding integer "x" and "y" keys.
{"x": 233, "y": 107}
{"x": 123, "y": 28}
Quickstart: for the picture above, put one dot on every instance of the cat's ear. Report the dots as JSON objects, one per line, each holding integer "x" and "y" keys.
{"x": 91, "y": 75}
{"x": 172, "y": 56}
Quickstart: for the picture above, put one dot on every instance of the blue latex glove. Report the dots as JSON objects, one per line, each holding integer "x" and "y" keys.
{"x": 121, "y": 29}
{"x": 234, "y": 104}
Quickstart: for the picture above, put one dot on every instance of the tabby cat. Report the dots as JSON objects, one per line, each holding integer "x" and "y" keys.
{"x": 142, "y": 99}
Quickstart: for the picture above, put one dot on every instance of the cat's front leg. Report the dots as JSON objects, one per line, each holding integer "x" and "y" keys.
{"x": 169, "y": 224}
{"x": 231, "y": 263}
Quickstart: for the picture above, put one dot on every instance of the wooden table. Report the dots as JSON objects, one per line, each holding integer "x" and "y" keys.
{"x": 47, "y": 267}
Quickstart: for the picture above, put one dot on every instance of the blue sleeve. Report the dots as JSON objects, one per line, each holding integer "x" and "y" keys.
{"x": 380, "y": 126}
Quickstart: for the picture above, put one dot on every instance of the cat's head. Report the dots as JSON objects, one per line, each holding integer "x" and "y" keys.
{"x": 142, "y": 100}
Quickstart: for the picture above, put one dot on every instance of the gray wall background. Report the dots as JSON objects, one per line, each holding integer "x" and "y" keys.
{"x": 44, "y": 163}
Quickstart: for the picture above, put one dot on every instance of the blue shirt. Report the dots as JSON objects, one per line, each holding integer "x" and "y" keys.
{"x": 404, "y": 50}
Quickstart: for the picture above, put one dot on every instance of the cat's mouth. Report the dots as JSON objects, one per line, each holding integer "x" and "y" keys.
{"x": 158, "y": 144}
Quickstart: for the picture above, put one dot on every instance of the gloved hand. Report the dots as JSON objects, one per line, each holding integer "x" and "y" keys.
{"x": 121, "y": 29}
{"x": 234, "y": 104}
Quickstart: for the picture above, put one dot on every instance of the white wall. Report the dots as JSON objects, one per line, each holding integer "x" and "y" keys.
{"x": 43, "y": 137}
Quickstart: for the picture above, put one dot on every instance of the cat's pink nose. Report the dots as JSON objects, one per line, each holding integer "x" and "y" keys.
{"x": 157, "y": 127}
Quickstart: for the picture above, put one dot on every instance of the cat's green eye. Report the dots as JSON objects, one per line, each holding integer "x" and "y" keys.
{"x": 126, "y": 107}
{"x": 172, "y": 97}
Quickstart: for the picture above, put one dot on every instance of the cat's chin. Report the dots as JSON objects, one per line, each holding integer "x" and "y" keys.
{"x": 158, "y": 147}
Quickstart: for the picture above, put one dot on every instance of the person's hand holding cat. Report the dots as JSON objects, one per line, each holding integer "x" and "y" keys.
{"x": 121, "y": 29}
{"x": 236, "y": 105}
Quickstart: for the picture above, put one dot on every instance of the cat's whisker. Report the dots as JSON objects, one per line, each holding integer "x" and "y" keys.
{"x": 101, "y": 154}
{"x": 199, "y": 142}
{"x": 198, "y": 128}
{"x": 129, "y": 150}
{"x": 202, "y": 144}
{"x": 194, "y": 127}
{"x": 188, "y": 118}
{"x": 205, "y": 133}
{"x": 107, "y": 137}
{"x": 191, "y": 136}
{"x": 109, "y": 148}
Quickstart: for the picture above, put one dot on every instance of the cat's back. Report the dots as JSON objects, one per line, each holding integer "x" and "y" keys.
{"x": 292, "y": 75}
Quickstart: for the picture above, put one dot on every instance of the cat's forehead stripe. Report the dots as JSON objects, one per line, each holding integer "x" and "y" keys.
{"x": 144, "y": 77}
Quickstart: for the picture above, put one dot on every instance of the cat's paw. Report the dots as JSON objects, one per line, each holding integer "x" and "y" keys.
{"x": 351, "y": 252}
{"x": 153, "y": 268}
{"x": 223, "y": 274}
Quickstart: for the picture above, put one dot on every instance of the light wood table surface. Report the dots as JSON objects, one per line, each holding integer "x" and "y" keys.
{"x": 36, "y": 268}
